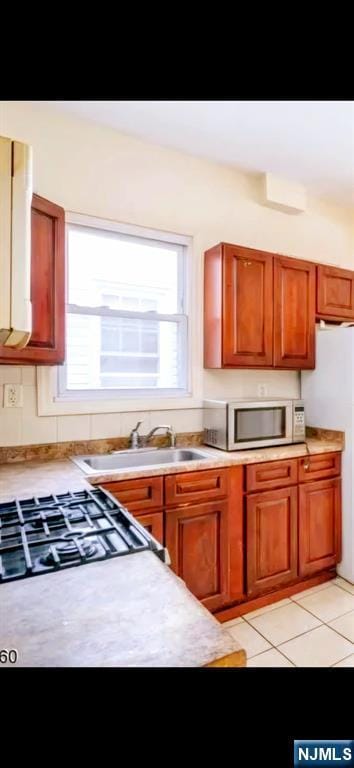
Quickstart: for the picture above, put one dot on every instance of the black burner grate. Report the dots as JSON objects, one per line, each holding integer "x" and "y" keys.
{"x": 40, "y": 535}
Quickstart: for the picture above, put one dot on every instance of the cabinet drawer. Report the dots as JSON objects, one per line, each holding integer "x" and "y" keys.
{"x": 271, "y": 474}
{"x": 142, "y": 494}
{"x": 319, "y": 467}
{"x": 195, "y": 486}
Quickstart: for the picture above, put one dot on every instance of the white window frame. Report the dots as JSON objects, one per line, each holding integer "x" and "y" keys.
{"x": 53, "y": 399}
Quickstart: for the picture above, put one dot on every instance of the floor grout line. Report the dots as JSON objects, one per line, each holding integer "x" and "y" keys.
{"x": 288, "y": 659}
{"x": 263, "y": 614}
{"x": 341, "y": 587}
{"x": 305, "y": 592}
{"x": 337, "y": 662}
{"x": 337, "y": 631}
{"x": 292, "y": 599}
{"x": 291, "y": 638}
{"x": 273, "y": 648}
{"x": 322, "y": 620}
{"x": 276, "y": 647}
{"x": 301, "y": 634}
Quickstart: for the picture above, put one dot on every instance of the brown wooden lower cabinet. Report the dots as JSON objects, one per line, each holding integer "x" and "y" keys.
{"x": 292, "y": 532}
{"x": 154, "y": 524}
{"x": 197, "y": 540}
{"x": 319, "y": 525}
{"x": 271, "y": 539}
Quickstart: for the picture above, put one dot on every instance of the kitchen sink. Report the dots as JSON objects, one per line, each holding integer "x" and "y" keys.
{"x": 138, "y": 458}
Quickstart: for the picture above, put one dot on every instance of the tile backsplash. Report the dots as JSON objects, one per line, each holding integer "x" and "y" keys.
{"x": 23, "y": 426}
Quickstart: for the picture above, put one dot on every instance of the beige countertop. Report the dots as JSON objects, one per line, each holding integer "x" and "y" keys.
{"x": 129, "y": 611}
{"x": 126, "y": 612}
{"x": 220, "y": 458}
{"x": 41, "y": 477}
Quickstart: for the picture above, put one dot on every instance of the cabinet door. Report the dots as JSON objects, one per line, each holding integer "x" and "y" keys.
{"x": 319, "y": 525}
{"x": 47, "y": 342}
{"x": 294, "y": 313}
{"x": 197, "y": 541}
{"x": 335, "y": 293}
{"x": 153, "y": 522}
{"x": 247, "y": 307}
{"x": 271, "y": 539}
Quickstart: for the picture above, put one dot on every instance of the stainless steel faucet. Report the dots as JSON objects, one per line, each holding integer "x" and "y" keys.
{"x": 170, "y": 431}
{"x": 134, "y": 436}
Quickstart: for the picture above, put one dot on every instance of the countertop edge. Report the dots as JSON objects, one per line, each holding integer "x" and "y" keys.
{"x": 43, "y": 477}
{"x": 220, "y": 459}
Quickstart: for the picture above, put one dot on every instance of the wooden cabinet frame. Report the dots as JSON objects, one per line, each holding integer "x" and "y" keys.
{"x": 47, "y": 342}
{"x": 259, "y": 309}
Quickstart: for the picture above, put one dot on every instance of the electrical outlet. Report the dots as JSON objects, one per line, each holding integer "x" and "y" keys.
{"x": 262, "y": 390}
{"x": 13, "y": 396}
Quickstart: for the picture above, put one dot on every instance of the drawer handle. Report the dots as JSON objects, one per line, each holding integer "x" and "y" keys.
{"x": 306, "y": 465}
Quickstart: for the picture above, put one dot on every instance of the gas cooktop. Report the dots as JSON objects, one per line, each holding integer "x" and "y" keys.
{"x": 41, "y": 535}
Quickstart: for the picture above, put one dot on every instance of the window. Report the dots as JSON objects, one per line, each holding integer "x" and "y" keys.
{"x": 126, "y": 315}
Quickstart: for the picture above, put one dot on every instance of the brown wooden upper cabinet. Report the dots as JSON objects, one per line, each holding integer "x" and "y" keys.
{"x": 47, "y": 343}
{"x": 335, "y": 293}
{"x": 259, "y": 309}
{"x": 294, "y": 313}
{"x": 238, "y": 300}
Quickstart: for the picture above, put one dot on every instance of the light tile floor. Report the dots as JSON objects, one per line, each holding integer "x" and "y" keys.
{"x": 314, "y": 628}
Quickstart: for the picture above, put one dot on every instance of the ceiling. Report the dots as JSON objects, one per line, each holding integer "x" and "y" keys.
{"x": 310, "y": 142}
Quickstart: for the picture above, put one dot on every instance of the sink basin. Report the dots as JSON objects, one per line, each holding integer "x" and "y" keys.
{"x": 109, "y": 462}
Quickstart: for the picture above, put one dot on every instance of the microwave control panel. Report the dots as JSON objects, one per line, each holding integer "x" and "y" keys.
{"x": 299, "y": 420}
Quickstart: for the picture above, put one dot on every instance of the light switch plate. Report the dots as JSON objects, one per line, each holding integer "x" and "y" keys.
{"x": 13, "y": 396}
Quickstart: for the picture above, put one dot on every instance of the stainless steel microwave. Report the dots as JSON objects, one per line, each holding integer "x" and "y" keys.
{"x": 235, "y": 425}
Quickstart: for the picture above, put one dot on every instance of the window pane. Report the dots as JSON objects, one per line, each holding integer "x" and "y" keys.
{"x": 123, "y": 353}
{"x": 150, "y": 341}
{"x": 128, "y": 364}
{"x": 125, "y": 382}
{"x": 122, "y": 273}
{"x": 130, "y": 341}
{"x": 134, "y": 336}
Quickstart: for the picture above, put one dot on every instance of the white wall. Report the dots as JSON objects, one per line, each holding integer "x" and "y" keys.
{"x": 94, "y": 170}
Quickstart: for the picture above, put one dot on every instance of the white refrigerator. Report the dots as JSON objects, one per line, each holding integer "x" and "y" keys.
{"x": 328, "y": 392}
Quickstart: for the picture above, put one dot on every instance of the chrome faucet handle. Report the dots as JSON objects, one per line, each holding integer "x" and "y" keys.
{"x": 134, "y": 436}
{"x": 172, "y": 435}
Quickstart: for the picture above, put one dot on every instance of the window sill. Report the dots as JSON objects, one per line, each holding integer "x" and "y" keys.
{"x": 50, "y": 404}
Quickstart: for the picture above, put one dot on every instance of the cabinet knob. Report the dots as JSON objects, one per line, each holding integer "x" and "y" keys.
{"x": 306, "y": 465}
{"x": 247, "y": 263}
